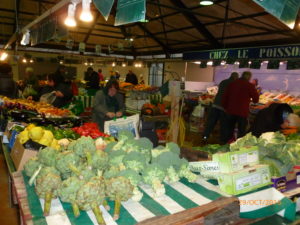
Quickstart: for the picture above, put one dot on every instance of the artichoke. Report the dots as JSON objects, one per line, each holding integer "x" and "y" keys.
{"x": 118, "y": 189}
{"x": 46, "y": 188}
{"x": 91, "y": 195}
{"x": 68, "y": 191}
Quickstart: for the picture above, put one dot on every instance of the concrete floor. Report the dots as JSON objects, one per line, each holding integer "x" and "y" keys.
{"x": 8, "y": 215}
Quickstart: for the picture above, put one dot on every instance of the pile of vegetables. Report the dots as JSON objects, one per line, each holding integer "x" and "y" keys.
{"x": 62, "y": 133}
{"x": 89, "y": 129}
{"x": 281, "y": 153}
{"x": 38, "y": 134}
{"x": 212, "y": 148}
{"x": 86, "y": 173}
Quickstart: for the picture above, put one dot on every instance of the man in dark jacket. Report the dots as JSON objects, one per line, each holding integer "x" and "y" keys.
{"x": 8, "y": 86}
{"x": 92, "y": 79}
{"x": 131, "y": 78}
{"x": 236, "y": 100}
{"x": 216, "y": 112}
{"x": 270, "y": 119}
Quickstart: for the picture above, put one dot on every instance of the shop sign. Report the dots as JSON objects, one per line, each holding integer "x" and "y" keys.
{"x": 130, "y": 11}
{"x": 275, "y": 52}
{"x": 104, "y": 7}
{"x": 285, "y": 10}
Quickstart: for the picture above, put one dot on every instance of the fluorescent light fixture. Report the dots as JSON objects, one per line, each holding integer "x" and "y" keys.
{"x": 86, "y": 14}
{"x": 70, "y": 20}
{"x": 3, "y": 56}
{"x": 207, "y": 2}
{"x": 197, "y": 62}
{"x": 209, "y": 63}
{"x": 25, "y": 38}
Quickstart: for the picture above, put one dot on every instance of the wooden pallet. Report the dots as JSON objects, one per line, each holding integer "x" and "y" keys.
{"x": 223, "y": 211}
{"x": 21, "y": 196}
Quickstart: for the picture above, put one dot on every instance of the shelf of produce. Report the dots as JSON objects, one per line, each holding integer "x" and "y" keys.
{"x": 179, "y": 197}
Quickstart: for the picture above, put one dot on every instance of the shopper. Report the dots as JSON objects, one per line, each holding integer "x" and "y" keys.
{"x": 256, "y": 85}
{"x": 8, "y": 86}
{"x": 235, "y": 101}
{"x": 30, "y": 86}
{"x": 216, "y": 112}
{"x": 92, "y": 79}
{"x": 117, "y": 75}
{"x": 60, "y": 74}
{"x": 131, "y": 78}
{"x": 108, "y": 104}
{"x": 62, "y": 91}
{"x": 100, "y": 74}
{"x": 271, "y": 119}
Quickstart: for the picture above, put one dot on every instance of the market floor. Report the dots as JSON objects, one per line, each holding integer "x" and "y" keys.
{"x": 8, "y": 216}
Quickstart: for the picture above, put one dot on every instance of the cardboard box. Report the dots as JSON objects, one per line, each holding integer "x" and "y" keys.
{"x": 20, "y": 155}
{"x": 246, "y": 180}
{"x": 238, "y": 160}
{"x": 284, "y": 184}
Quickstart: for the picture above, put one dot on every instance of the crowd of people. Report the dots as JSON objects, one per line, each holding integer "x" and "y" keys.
{"x": 231, "y": 108}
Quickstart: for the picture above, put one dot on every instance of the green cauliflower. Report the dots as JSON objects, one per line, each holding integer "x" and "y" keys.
{"x": 125, "y": 135}
{"x": 144, "y": 145}
{"x": 99, "y": 160}
{"x": 112, "y": 171}
{"x": 154, "y": 174}
{"x": 90, "y": 195}
{"x": 118, "y": 189}
{"x": 46, "y": 188}
{"x": 67, "y": 192}
{"x": 67, "y": 162}
{"x": 31, "y": 166}
{"x": 85, "y": 172}
{"x": 110, "y": 147}
{"x": 135, "y": 161}
{"x": 47, "y": 156}
{"x": 184, "y": 171}
{"x": 116, "y": 159}
{"x": 158, "y": 150}
{"x": 84, "y": 146}
{"x": 135, "y": 180}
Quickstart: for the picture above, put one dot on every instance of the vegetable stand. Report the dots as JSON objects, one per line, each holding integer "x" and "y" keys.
{"x": 179, "y": 196}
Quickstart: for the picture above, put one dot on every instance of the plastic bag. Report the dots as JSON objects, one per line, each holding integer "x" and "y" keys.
{"x": 130, "y": 123}
{"x": 48, "y": 97}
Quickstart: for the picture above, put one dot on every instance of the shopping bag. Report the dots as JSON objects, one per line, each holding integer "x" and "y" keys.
{"x": 48, "y": 97}
{"x": 130, "y": 123}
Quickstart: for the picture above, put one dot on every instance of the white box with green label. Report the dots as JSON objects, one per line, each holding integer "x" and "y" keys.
{"x": 245, "y": 180}
{"x": 238, "y": 160}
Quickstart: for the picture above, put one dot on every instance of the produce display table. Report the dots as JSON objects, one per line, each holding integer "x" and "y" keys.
{"x": 88, "y": 101}
{"x": 179, "y": 196}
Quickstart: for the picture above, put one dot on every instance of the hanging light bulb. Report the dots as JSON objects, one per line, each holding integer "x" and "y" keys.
{"x": 61, "y": 62}
{"x": 86, "y": 14}
{"x": 25, "y": 38}
{"x": 70, "y": 20}
{"x": 85, "y": 63}
{"x": 113, "y": 64}
{"x": 31, "y": 61}
{"x": 206, "y": 2}
{"x": 123, "y": 64}
{"x": 3, "y": 56}
{"x": 24, "y": 60}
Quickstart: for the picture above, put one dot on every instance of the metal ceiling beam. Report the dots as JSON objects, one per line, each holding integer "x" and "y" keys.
{"x": 56, "y": 7}
{"x": 98, "y": 35}
{"x": 17, "y": 9}
{"x": 91, "y": 28}
{"x": 126, "y": 35}
{"x": 21, "y": 12}
{"x": 198, "y": 25}
{"x": 164, "y": 47}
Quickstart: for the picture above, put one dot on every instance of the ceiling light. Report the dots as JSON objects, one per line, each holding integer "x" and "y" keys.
{"x": 3, "y": 56}
{"x": 197, "y": 62}
{"x": 70, "y": 20}
{"x": 131, "y": 39}
{"x": 85, "y": 63}
{"x": 86, "y": 14}
{"x": 24, "y": 60}
{"x": 223, "y": 63}
{"x": 123, "y": 64}
{"x": 61, "y": 62}
{"x": 237, "y": 63}
{"x": 113, "y": 64}
{"x": 91, "y": 64}
{"x": 25, "y": 38}
{"x": 31, "y": 60}
{"x": 209, "y": 63}
{"x": 249, "y": 62}
{"x": 202, "y": 2}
